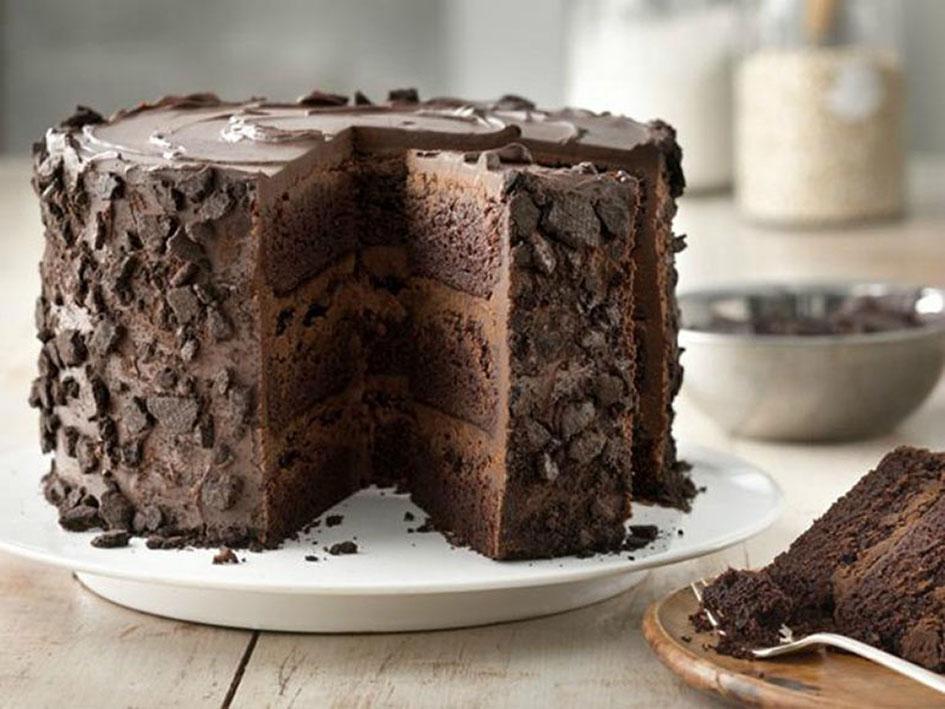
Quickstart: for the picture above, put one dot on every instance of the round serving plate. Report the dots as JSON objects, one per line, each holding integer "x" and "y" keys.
{"x": 400, "y": 579}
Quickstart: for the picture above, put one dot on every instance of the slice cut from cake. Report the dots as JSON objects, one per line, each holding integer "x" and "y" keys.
{"x": 251, "y": 311}
{"x": 871, "y": 568}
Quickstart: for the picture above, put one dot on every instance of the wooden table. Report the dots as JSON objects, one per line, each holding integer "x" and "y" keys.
{"x": 60, "y": 645}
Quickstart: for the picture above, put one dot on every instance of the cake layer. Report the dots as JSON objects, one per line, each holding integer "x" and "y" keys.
{"x": 309, "y": 342}
{"x": 458, "y": 478}
{"x": 454, "y": 233}
{"x": 455, "y": 364}
{"x": 362, "y": 436}
{"x": 380, "y": 184}
{"x": 320, "y": 459}
{"x": 392, "y": 447}
{"x": 326, "y": 334}
{"x": 297, "y": 222}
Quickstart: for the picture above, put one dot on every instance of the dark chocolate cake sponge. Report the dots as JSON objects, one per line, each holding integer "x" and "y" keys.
{"x": 895, "y": 597}
{"x": 749, "y": 608}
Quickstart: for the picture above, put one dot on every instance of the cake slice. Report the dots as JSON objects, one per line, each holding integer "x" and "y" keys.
{"x": 477, "y": 326}
{"x": 524, "y": 371}
{"x": 870, "y": 568}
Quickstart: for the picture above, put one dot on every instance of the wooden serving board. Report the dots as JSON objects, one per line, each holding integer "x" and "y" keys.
{"x": 818, "y": 679}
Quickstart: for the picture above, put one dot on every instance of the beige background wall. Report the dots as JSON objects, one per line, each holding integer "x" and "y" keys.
{"x": 109, "y": 53}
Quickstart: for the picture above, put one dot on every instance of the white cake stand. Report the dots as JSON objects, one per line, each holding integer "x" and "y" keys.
{"x": 399, "y": 580}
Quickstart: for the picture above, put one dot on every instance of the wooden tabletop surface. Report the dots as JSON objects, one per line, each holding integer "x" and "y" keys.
{"x": 62, "y": 646}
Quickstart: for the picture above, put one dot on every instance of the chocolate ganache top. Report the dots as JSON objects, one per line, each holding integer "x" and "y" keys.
{"x": 259, "y": 136}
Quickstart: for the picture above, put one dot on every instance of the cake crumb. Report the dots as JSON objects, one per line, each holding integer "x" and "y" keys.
{"x": 646, "y": 531}
{"x": 425, "y": 526}
{"x": 311, "y": 557}
{"x": 158, "y": 541}
{"x": 408, "y": 517}
{"x": 342, "y": 548}
{"x": 334, "y": 520}
{"x": 633, "y": 542}
{"x": 640, "y": 535}
{"x": 225, "y": 556}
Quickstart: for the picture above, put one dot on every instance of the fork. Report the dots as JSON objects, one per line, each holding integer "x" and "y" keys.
{"x": 789, "y": 646}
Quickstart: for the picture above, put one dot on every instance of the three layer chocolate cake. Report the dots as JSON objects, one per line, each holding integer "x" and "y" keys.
{"x": 252, "y": 310}
{"x": 871, "y": 568}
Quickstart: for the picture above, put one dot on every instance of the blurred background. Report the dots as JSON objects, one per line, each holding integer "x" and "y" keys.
{"x": 111, "y": 53}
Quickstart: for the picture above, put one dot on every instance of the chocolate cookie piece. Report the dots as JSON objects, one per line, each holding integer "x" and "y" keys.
{"x": 112, "y": 540}
{"x": 115, "y": 510}
{"x": 177, "y": 413}
{"x": 80, "y": 518}
{"x": 343, "y": 548}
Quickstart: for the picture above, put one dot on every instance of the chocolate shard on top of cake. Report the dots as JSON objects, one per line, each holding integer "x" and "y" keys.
{"x": 871, "y": 568}
{"x": 251, "y": 310}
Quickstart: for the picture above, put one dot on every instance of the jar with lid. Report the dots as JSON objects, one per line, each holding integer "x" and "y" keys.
{"x": 668, "y": 59}
{"x": 819, "y": 112}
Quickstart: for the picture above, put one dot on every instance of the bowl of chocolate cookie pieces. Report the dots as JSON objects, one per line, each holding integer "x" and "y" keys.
{"x": 812, "y": 361}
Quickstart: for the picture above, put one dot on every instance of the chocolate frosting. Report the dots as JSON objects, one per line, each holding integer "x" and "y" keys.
{"x": 259, "y": 136}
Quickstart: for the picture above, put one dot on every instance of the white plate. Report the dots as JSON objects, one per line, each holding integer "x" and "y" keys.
{"x": 398, "y": 580}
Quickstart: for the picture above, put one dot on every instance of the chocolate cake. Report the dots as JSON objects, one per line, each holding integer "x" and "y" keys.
{"x": 871, "y": 568}
{"x": 252, "y": 310}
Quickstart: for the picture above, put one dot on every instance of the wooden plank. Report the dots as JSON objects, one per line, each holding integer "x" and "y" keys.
{"x": 594, "y": 656}
{"x": 60, "y": 645}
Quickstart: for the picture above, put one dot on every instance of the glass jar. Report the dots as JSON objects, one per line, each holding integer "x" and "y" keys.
{"x": 669, "y": 59}
{"x": 819, "y": 112}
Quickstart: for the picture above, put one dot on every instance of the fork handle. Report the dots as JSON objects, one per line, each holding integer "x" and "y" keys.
{"x": 930, "y": 679}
